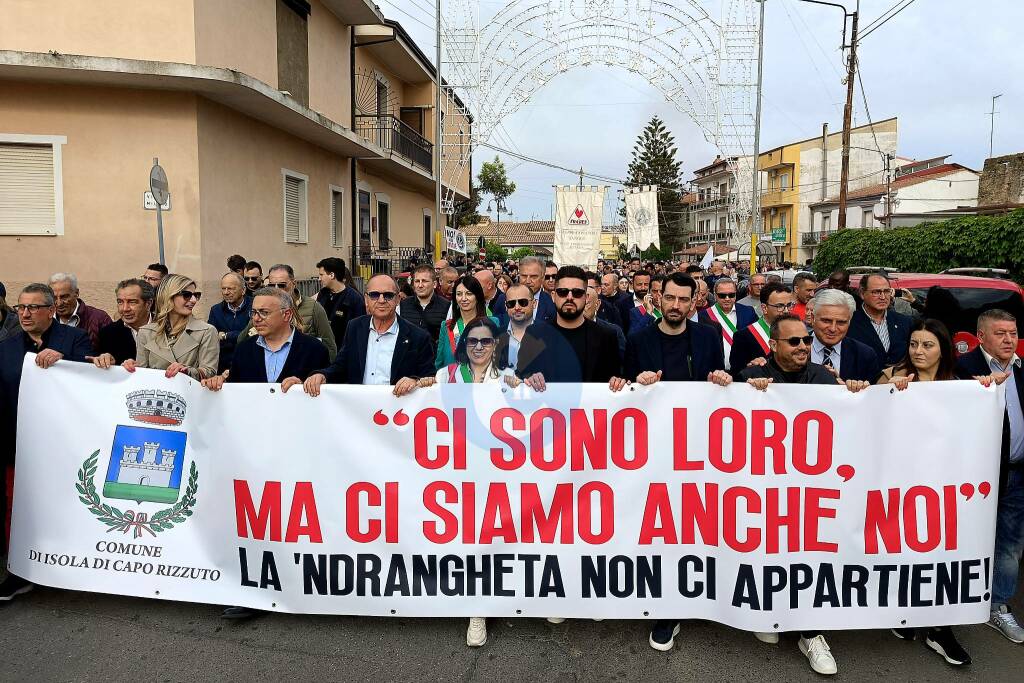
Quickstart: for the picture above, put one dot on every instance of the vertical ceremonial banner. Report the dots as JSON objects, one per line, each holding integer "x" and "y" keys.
{"x": 795, "y": 508}
{"x": 578, "y": 218}
{"x": 642, "y": 217}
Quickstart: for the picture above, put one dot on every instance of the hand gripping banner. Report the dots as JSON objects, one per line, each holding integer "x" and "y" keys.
{"x": 802, "y": 507}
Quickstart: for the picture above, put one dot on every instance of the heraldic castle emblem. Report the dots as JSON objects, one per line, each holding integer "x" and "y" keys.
{"x": 146, "y": 465}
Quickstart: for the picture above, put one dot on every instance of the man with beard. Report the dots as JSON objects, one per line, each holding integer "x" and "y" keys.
{"x": 570, "y": 348}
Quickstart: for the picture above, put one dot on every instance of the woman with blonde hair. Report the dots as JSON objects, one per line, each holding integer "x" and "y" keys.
{"x": 176, "y": 341}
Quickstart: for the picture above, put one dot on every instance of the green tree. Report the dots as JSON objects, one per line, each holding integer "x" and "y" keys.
{"x": 654, "y": 162}
{"x": 521, "y": 252}
{"x": 493, "y": 180}
{"x": 494, "y": 251}
{"x": 467, "y": 211}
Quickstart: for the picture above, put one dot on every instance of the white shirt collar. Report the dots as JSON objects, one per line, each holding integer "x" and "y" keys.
{"x": 393, "y": 328}
{"x": 989, "y": 359}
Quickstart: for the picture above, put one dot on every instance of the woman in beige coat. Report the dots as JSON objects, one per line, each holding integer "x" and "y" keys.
{"x": 176, "y": 341}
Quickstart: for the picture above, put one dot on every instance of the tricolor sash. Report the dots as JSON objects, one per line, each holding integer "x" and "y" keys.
{"x": 728, "y": 326}
{"x": 761, "y": 333}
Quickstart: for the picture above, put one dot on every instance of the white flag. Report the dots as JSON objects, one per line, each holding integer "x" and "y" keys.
{"x": 578, "y": 215}
{"x": 642, "y": 217}
{"x": 705, "y": 262}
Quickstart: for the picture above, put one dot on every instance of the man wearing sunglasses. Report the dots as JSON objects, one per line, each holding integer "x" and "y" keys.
{"x": 380, "y": 348}
{"x": 790, "y": 363}
{"x": 570, "y": 348}
{"x": 253, "y": 276}
{"x": 752, "y": 342}
{"x": 729, "y": 315}
{"x": 519, "y": 304}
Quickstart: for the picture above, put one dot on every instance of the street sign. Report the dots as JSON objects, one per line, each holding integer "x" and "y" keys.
{"x": 158, "y": 183}
{"x": 778, "y": 236}
{"x": 483, "y": 253}
{"x": 149, "y": 204}
{"x": 455, "y": 239}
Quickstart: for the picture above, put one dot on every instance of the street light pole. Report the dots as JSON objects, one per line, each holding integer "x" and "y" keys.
{"x": 755, "y": 204}
{"x": 992, "y": 126}
{"x": 438, "y": 227}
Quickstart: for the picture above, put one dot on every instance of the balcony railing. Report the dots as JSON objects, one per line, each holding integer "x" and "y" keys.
{"x": 708, "y": 237}
{"x": 715, "y": 202}
{"x": 397, "y": 136}
{"x": 809, "y": 239}
{"x": 392, "y": 260}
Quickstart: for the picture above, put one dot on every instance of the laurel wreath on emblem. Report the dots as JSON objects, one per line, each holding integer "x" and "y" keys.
{"x": 130, "y": 520}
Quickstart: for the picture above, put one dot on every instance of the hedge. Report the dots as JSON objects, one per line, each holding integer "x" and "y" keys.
{"x": 970, "y": 241}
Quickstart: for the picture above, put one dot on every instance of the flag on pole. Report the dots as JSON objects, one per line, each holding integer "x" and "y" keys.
{"x": 578, "y": 215}
{"x": 642, "y": 217}
{"x": 705, "y": 262}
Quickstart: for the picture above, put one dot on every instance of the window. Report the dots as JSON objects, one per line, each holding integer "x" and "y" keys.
{"x": 31, "y": 185}
{"x": 296, "y": 228}
{"x": 721, "y": 224}
{"x": 428, "y": 237}
{"x": 784, "y": 181}
{"x": 293, "y": 48}
{"x": 384, "y": 224}
{"x": 364, "y": 216}
{"x": 782, "y": 219}
{"x": 826, "y": 222}
{"x": 337, "y": 217}
{"x": 868, "y": 218}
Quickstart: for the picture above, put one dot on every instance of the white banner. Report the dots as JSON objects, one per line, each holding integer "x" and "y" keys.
{"x": 578, "y": 219}
{"x": 642, "y": 217}
{"x": 455, "y": 240}
{"x": 797, "y": 508}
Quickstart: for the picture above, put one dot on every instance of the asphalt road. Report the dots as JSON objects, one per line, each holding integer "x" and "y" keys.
{"x": 56, "y": 635}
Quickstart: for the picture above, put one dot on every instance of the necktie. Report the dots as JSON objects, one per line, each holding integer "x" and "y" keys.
{"x": 826, "y": 356}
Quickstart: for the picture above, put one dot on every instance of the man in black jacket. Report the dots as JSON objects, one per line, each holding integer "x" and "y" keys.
{"x": 341, "y": 302}
{"x": 52, "y": 342}
{"x": 831, "y": 311}
{"x": 115, "y": 342}
{"x": 997, "y": 333}
{"x": 428, "y": 309}
{"x": 752, "y": 341}
{"x": 570, "y": 348}
{"x": 380, "y": 348}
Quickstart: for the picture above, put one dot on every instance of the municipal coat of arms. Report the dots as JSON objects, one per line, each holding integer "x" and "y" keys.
{"x": 146, "y": 464}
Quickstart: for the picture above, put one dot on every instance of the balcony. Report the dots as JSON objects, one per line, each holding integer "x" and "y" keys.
{"x": 709, "y": 237}
{"x": 394, "y": 135}
{"x": 781, "y": 197}
{"x": 713, "y": 203}
{"x": 811, "y": 239}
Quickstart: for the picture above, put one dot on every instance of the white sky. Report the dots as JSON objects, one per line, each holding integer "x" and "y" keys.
{"x": 935, "y": 66}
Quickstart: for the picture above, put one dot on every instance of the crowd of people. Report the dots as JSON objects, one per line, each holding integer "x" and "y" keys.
{"x": 529, "y": 322}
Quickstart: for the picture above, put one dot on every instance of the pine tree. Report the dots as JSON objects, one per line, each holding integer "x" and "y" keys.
{"x": 654, "y": 163}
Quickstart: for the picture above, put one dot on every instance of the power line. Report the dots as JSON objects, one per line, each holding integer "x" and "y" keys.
{"x": 875, "y": 25}
{"x": 517, "y": 155}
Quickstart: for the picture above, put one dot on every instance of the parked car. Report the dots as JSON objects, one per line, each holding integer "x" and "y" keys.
{"x": 958, "y": 300}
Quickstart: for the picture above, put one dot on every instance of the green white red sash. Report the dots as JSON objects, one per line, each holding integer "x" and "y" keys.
{"x": 762, "y": 333}
{"x": 728, "y": 326}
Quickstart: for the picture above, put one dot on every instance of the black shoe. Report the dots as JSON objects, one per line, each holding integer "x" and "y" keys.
{"x": 240, "y": 613}
{"x": 13, "y": 586}
{"x": 904, "y": 633}
{"x": 663, "y": 635}
{"x": 942, "y": 640}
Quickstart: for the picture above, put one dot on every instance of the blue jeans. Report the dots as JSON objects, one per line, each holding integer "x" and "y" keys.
{"x": 1009, "y": 539}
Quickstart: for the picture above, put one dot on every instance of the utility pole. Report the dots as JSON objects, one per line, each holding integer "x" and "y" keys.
{"x": 581, "y": 179}
{"x": 992, "y": 126}
{"x": 888, "y": 190}
{"x": 851, "y": 73}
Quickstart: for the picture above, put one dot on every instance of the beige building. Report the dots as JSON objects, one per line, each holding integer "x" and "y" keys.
{"x": 253, "y": 108}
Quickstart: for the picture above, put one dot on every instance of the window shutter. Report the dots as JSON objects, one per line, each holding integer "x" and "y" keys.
{"x": 27, "y": 203}
{"x": 294, "y": 209}
{"x": 336, "y": 218}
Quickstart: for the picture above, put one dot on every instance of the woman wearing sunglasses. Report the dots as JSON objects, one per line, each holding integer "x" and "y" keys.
{"x": 930, "y": 358}
{"x": 176, "y": 341}
{"x": 468, "y": 304}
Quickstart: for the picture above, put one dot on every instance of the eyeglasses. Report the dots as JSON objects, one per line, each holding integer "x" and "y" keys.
{"x": 726, "y": 295}
{"x": 189, "y": 295}
{"x": 253, "y": 279}
{"x": 782, "y": 307}
{"x": 279, "y": 285}
{"x": 880, "y": 292}
{"x": 31, "y": 308}
{"x": 796, "y": 341}
{"x": 485, "y": 342}
{"x": 387, "y": 296}
{"x": 577, "y": 292}
{"x": 521, "y": 303}
{"x": 550, "y": 277}
{"x": 261, "y": 314}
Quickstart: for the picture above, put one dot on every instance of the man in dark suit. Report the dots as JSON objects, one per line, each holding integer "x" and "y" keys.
{"x": 752, "y": 341}
{"x": 571, "y": 348}
{"x": 621, "y": 301}
{"x": 672, "y": 350}
{"x": 495, "y": 299}
{"x": 52, "y": 342}
{"x": 874, "y": 324}
{"x": 831, "y": 312}
{"x": 996, "y": 352}
{"x": 230, "y": 316}
{"x": 116, "y": 342}
{"x": 380, "y": 348}
{"x": 531, "y": 274}
{"x": 731, "y": 316}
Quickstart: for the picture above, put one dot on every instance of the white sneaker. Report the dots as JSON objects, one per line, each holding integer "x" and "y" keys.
{"x": 1002, "y": 620}
{"x": 476, "y": 634}
{"x": 819, "y": 655}
{"x": 765, "y": 637}
{"x": 556, "y": 620}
